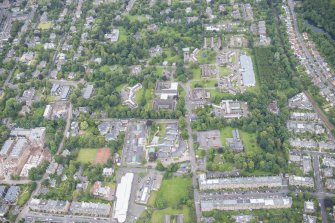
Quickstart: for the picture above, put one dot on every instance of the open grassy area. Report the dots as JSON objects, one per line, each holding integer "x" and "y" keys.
{"x": 134, "y": 18}
{"x": 204, "y": 83}
{"x": 206, "y": 56}
{"x": 173, "y": 189}
{"x": 171, "y": 192}
{"x": 123, "y": 34}
{"x": 152, "y": 198}
{"x": 215, "y": 93}
{"x": 224, "y": 71}
{"x": 148, "y": 95}
{"x": 119, "y": 88}
{"x": 249, "y": 139}
{"x": 196, "y": 73}
{"x": 24, "y": 196}
{"x": 87, "y": 155}
{"x": 44, "y": 25}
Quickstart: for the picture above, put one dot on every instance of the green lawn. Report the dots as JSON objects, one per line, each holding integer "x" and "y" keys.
{"x": 152, "y": 198}
{"x": 173, "y": 189}
{"x": 119, "y": 88}
{"x": 224, "y": 71}
{"x": 159, "y": 71}
{"x": 24, "y": 197}
{"x": 204, "y": 83}
{"x": 215, "y": 93}
{"x": 249, "y": 139}
{"x": 123, "y": 34}
{"x": 196, "y": 73}
{"x": 134, "y": 18}
{"x": 148, "y": 94}
{"x": 87, "y": 155}
{"x": 206, "y": 56}
{"x": 44, "y": 25}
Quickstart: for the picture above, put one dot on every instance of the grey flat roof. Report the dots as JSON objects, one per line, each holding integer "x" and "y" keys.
{"x": 18, "y": 147}
{"x": 248, "y": 74}
{"x": 65, "y": 92}
{"x": 6, "y": 146}
{"x": 88, "y": 91}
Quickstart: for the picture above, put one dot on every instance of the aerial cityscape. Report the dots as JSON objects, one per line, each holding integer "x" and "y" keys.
{"x": 167, "y": 111}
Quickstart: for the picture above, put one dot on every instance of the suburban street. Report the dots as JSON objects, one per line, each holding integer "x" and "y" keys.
{"x": 194, "y": 165}
{"x": 65, "y": 218}
{"x": 319, "y": 187}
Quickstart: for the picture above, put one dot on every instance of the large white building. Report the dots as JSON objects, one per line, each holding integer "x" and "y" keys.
{"x": 248, "y": 75}
{"x": 123, "y": 191}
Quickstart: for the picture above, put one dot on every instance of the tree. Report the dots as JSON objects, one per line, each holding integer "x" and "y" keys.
{"x": 84, "y": 125}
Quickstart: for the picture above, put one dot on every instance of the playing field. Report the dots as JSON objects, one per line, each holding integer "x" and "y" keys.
{"x": 172, "y": 191}
{"x": 87, "y": 155}
{"x": 102, "y": 155}
{"x": 44, "y": 25}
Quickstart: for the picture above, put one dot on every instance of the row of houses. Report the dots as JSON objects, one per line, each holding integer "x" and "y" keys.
{"x": 75, "y": 208}
{"x": 246, "y": 203}
{"x": 238, "y": 182}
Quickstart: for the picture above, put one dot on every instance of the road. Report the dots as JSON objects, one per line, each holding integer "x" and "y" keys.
{"x": 64, "y": 218}
{"x": 319, "y": 187}
{"x": 28, "y": 21}
{"x": 194, "y": 166}
{"x": 313, "y": 153}
{"x": 66, "y": 130}
{"x": 15, "y": 182}
{"x": 65, "y": 82}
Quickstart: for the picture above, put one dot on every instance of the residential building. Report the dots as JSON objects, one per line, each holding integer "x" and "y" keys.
{"x": 49, "y": 206}
{"x": 299, "y": 181}
{"x": 90, "y": 209}
{"x": 238, "y": 182}
{"x": 231, "y": 109}
{"x": 309, "y": 207}
{"x": 246, "y": 203}
{"x": 12, "y": 194}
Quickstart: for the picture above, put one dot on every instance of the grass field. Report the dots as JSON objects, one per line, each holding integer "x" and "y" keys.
{"x": 44, "y": 25}
{"x": 196, "y": 73}
{"x": 224, "y": 71}
{"x": 87, "y": 155}
{"x": 119, "y": 88}
{"x": 171, "y": 191}
{"x": 152, "y": 198}
{"x": 123, "y": 34}
{"x": 204, "y": 83}
{"x": 148, "y": 94}
{"x": 134, "y": 18}
{"x": 249, "y": 139}
{"x": 24, "y": 196}
{"x": 206, "y": 56}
